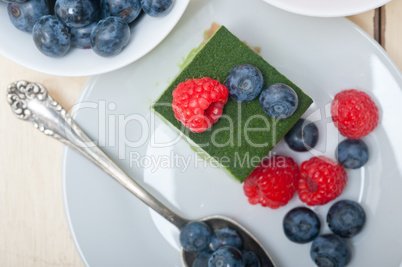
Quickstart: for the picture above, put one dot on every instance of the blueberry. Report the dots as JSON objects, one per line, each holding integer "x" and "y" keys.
{"x": 226, "y": 236}
{"x": 80, "y": 37}
{"x": 51, "y": 36}
{"x": 303, "y": 136}
{"x": 24, "y": 15}
{"x": 250, "y": 259}
{"x": 125, "y": 9}
{"x": 279, "y": 101}
{"x": 346, "y": 218}
{"x": 195, "y": 236}
{"x": 352, "y": 153}
{"x": 244, "y": 82}
{"x": 226, "y": 256}
{"x": 301, "y": 225}
{"x": 202, "y": 258}
{"x": 330, "y": 251}
{"x": 156, "y": 8}
{"x": 109, "y": 36}
{"x": 75, "y": 13}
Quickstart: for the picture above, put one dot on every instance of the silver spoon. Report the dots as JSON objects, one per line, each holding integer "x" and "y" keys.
{"x": 31, "y": 102}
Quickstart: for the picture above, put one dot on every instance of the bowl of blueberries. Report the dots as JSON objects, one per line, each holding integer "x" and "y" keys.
{"x": 84, "y": 37}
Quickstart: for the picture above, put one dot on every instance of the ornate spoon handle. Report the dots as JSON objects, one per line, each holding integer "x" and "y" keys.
{"x": 31, "y": 102}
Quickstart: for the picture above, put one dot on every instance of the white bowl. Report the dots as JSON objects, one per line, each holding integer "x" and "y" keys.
{"x": 146, "y": 34}
{"x": 327, "y": 8}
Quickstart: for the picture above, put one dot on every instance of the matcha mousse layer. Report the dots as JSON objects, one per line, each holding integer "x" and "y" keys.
{"x": 244, "y": 134}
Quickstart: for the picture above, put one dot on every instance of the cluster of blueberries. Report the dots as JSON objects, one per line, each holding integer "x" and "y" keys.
{"x": 301, "y": 225}
{"x": 245, "y": 83}
{"x": 216, "y": 249}
{"x": 102, "y": 25}
{"x": 345, "y": 218}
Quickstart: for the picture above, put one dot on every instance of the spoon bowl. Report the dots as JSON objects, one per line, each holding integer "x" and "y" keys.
{"x": 250, "y": 243}
{"x": 32, "y": 102}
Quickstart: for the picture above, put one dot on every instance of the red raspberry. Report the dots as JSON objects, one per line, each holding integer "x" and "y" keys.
{"x": 198, "y": 103}
{"x": 273, "y": 182}
{"x": 354, "y": 113}
{"x": 321, "y": 180}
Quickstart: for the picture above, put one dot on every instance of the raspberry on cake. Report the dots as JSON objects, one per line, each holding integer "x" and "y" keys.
{"x": 273, "y": 183}
{"x": 354, "y": 113}
{"x": 198, "y": 103}
{"x": 321, "y": 180}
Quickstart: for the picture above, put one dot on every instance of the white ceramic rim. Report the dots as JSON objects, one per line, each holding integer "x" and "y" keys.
{"x": 319, "y": 8}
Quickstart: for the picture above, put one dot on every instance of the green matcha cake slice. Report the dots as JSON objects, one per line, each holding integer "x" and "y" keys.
{"x": 244, "y": 134}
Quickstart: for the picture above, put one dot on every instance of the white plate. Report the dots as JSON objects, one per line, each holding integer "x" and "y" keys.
{"x": 146, "y": 33}
{"x": 327, "y": 8}
{"x": 113, "y": 228}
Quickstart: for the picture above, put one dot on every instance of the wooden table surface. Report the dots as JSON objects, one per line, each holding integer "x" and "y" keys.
{"x": 33, "y": 225}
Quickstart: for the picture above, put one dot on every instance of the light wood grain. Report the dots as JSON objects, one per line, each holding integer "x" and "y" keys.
{"x": 393, "y": 31}
{"x": 365, "y": 21}
{"x": 33, "y": 225}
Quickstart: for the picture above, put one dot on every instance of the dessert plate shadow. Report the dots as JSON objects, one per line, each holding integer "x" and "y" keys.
{"x": 112, "y": 228}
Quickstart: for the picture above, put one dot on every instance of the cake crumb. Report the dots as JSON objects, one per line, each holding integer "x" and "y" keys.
{"x": 211, "y": 31}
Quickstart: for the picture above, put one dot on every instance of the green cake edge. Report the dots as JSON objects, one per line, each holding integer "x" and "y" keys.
{"x": 214, "y": 59}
